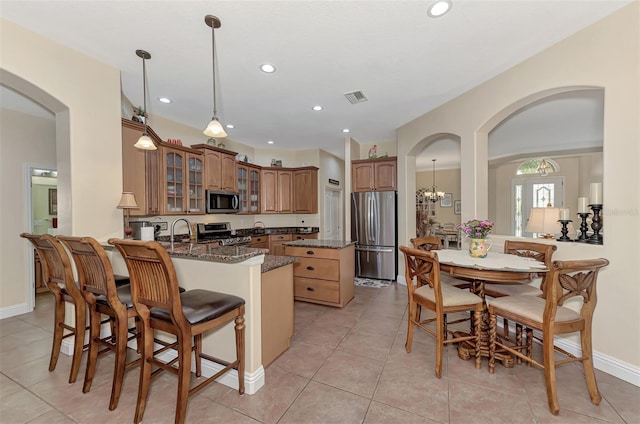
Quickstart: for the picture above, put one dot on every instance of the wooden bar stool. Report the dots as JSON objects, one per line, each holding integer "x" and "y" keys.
{"x": 58, "y": 276}
{"x": 160, "y": 305}
{"x": 103, "y": 296}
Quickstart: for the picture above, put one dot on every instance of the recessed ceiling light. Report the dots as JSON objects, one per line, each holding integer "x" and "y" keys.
{"x": 439, "y": 8}
{"x": 346, "y": 130}
{"x": 317, "y": 107}
{"x": 268, "y": 68}
{"x": 164, "y": 99}
{"x": 230, "y": 126}
{"x": 270, "y": 142}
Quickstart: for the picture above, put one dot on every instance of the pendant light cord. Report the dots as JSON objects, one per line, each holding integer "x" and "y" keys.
{"x": 213, "y": 66}
{"x": 144, "y": 94}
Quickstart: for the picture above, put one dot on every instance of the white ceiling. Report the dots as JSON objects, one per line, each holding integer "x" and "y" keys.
{"x": 405, "y": 62}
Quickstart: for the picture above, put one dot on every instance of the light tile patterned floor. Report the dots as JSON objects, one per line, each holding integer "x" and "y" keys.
{"x": 344, "y": 366}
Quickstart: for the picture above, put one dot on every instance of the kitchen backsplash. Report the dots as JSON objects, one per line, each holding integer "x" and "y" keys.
{"x": 238, "y": 221}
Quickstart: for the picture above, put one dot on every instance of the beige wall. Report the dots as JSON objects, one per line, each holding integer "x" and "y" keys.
{"x": 24, "y": 140}
{"x": 605, "y": 55}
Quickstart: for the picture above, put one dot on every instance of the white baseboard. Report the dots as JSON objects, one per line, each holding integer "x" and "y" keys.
{"x": 252, "y": 381}
{"x": 13, "y": 310}
{"x": 602, "y": 362}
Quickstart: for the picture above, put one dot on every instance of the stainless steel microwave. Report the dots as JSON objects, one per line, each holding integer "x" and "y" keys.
{"x": 222, "y": 202}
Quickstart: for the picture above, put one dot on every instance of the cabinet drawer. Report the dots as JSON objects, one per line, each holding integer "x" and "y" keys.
{"x": 308, "y": 288}
{"x": 279, "y": 237}
{"x": 305, "y": 236}
{"x": 324, "y": 269}
{"x": 313, "y": 252}
{"x": 259, "y": 239}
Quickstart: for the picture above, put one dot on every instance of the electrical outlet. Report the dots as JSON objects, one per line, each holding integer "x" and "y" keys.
{"x": 164, "y": 226}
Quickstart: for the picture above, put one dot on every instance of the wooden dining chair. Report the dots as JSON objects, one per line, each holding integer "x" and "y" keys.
{"x": 541, "y": 252}
{"x": 58, "y": 276}
{"x": 98, "y": 287}
{"x": 160, "y": 305}
{"x": 567, "y": 280}
{"x": 422, "y": 273}
{"x": 426, "y": 243}
{"x": 434, "y": 243}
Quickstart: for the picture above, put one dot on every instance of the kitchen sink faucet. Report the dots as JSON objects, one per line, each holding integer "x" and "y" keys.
{"x": 173, "y": 228}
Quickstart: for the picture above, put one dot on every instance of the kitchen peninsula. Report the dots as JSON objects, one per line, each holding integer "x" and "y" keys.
{"x": 263, "y": 281}
{"x": 325, "y": 272}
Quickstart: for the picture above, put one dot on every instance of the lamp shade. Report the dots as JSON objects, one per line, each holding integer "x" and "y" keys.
{"x": 214, "y": 129}
{"x": 544, "y": 221}
{"x": 127, "y": 201}
{"x": 145, "y": 143}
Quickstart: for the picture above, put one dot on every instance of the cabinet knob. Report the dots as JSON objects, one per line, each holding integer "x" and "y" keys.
{"x": 310, "y": 268}
{"x": 310, "y": 289}
{"x": 310, "y": 252}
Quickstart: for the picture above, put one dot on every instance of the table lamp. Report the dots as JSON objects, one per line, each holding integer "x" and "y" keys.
{"x": 127, "y": 201}
{"x": 544, "y": 221}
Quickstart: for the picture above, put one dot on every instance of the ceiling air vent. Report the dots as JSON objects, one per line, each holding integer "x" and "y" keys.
{"x": 356, "y": 97}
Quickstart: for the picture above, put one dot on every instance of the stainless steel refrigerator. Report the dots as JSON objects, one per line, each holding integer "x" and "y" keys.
{"x": 374, "y": 228}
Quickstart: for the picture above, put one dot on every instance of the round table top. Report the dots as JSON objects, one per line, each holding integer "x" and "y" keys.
{"x": 495, "y": 267}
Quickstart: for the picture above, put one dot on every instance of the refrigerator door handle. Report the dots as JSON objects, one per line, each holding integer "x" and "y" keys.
{"x": 375, "y": 249}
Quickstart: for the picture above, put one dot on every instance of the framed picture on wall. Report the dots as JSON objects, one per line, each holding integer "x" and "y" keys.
{"x": 446, "y": 201}
{"x": 53, "y": 201}
{"x": 457, "y": 207}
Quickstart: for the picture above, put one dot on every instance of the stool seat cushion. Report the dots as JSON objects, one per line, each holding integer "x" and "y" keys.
{"x": 532, "y": 308}
{"x": 451, "y": 296}
{"x": 124, "y": 294}
{"x": 121, "y": 280}
{"x": 201, "y": 305}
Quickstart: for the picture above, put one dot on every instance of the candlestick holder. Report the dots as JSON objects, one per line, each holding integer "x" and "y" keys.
{"x": 596, "y": 225}
{"x": 564, "y": 230}
{"x": 583, "y": 227}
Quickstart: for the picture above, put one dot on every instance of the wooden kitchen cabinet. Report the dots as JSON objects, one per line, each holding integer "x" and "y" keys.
{"x": 220, "y": 168}
{"x": 305, "y": 190}
{"x": 276, "y": 190}
{"x": 374, "y": 175}
{"x": 260, "y": 242}
{"x": 275, "y": 243}
{"x": 140, "y": 169}
{"x": 249, "y": 188}
{"x": 295, "y": 237}
{"x": 181, "y": 176}
{"x": 289, "y": 190}
{"x": 277, "y": 312}
{"x": 323, "y": 275}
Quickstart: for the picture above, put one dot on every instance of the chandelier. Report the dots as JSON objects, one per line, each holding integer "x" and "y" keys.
{"x": 429, "y": 194}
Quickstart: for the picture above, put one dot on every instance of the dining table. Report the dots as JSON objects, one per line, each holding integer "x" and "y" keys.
{"x": 496, "y": 267}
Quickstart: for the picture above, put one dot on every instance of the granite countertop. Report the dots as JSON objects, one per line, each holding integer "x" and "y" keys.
{"x": 213, "y": 253}
{"x": 329, "y": 244}
{"x": 223, "y": 254}
{"x": 272, "y": 262}
{"x": 276, "y": 230}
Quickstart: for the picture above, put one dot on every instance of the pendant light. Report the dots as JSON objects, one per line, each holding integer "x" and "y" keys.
{"x": 214, "y": 129}
{"x": 144, "y": 142}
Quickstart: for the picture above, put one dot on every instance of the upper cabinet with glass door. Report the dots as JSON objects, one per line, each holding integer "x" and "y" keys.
{"x": 249, "y": 188}
{"x": 181, "y": 180}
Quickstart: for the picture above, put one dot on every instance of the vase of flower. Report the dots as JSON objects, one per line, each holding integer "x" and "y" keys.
{"x": 477, "y": 230}
{"x": 478, "y": 247}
